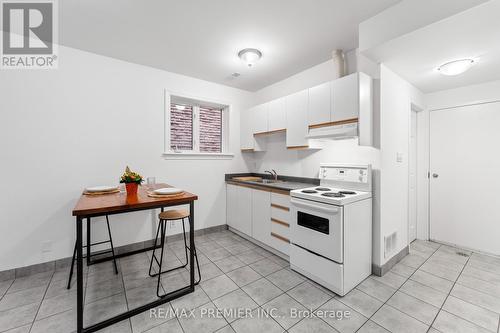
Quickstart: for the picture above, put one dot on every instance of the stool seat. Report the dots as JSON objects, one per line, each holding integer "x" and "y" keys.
{"x": 174, "y": 214}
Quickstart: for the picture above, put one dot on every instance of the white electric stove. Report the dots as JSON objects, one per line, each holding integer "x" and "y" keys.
{"x": 331, "y": 229}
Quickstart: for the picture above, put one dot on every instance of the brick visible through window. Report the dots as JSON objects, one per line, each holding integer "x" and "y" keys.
{"x": 210, "y": 130}
{"x": 181, "y": 127}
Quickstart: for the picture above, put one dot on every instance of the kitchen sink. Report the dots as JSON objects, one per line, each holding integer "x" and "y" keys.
{"x": 268, "y": 181}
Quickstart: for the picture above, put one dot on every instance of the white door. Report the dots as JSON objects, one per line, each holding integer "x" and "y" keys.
{"x": 260, "y": 118}
{"x": 465, "y": 182}
{"x": 261, "y": 215}
{"x": 345, "y": 98}
{"x": 277, "y": 114}
{"x": 319, "y": 104}
{"x": 412, "y": 195}
{"x": 244, "y": 213}
{"x": 231, "y": 205}
{"x": 296, "y": 119}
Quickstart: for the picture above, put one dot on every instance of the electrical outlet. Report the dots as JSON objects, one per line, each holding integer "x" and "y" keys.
{"x": 399, "y": 157}
{"x": 47, "y": 246}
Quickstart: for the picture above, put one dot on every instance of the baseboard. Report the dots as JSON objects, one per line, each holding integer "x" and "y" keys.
{"x": 66, "y": 262}
{"x": 381, "y": 270}
{"x": 262, "y": 245}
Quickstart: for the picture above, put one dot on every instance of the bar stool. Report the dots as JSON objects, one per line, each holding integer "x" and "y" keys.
{"x": 171, "y": 215}
{"x": 89, "y": 248}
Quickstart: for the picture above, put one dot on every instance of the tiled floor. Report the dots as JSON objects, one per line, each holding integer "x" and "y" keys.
{"x": 433, "y": 289}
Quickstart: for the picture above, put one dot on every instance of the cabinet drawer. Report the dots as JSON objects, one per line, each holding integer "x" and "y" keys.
{"x": 280, "y": 214}
{"x": 280, "y": 243}
{"x": 280, "y": 229}
{"x": 280, "y": 199}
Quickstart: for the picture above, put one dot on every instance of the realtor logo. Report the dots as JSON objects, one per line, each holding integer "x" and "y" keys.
{"x": 29, "y": 34}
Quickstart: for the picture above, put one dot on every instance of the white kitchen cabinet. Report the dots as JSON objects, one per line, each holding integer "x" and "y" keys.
{"x": 231, "y": 205}
{"x": 319, "y": 110}
{"x": 246, "y": 135}
{"x": 261, "y": 216}
{"x": 259, "y": 118}
{"x": 345, "y": 98}
{"x": 277, "y": 114}
{"x": 296, "y": 120}
{"x": 239, "y": 208}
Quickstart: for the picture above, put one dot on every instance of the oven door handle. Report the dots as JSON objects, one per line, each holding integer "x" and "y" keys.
{"x": 331, "y": 210}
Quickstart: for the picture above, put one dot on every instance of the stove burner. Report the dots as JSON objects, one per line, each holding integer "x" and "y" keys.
{"x": 322, "y": 189}
{"x": 309, "y": 191}
{"x": 333, "y": 195}
{"x": 347, "y": 192}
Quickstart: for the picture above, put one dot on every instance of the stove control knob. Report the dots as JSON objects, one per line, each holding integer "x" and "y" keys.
{"x": 361, "y": 172}
{"x": 360, "y": 178}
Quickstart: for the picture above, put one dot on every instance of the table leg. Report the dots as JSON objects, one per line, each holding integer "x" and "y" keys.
{"x": 88, "y": 241}
{"x": 79, "y": 276}
{"x": 191, "y": 244}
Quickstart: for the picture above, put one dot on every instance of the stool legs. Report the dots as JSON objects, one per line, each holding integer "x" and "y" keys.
{"x": 89, "y": 255}
{"x": 161, "y": 231}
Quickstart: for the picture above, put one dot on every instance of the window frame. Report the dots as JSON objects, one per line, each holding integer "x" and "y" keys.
{"x": 168, "y": 153}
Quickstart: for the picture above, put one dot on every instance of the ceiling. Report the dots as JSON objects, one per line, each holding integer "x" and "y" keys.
{"x": 472, "y": 33}
{"x": 201, "y": 38}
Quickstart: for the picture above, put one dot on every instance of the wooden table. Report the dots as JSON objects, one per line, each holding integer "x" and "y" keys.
{"x": 109, "y": 204}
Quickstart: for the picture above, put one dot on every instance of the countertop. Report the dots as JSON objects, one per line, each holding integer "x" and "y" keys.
{"x": 286, "y": 183}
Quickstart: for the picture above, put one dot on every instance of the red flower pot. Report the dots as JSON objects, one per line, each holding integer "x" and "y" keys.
{"x": 131, "y": 189}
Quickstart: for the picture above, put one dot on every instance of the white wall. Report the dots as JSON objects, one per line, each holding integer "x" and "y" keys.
{"x": 80, "y": 125}
{"x": 396, "y": 99}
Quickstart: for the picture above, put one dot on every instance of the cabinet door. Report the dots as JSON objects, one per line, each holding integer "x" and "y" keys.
{"x": 261, "y": 216}
{"x": 320, "y": 104}
{"x": 244, "y": 213}
{"x": 296, "y": 119}
{"x": 260, "y": 118}
{"x": 345, "y": 98}
{"x": 277, "y": 114}
{"x": 231, "y": 205}
{"x": 246, "y": 135}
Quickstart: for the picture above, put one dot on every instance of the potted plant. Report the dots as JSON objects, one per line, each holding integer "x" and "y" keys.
{"x": 131, "y": 180}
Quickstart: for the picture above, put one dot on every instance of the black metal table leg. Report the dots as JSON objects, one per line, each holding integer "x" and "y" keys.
{"x": 79, "y": 276}
{"x": 191, "y": 245}
{"x": 88, "y": 241}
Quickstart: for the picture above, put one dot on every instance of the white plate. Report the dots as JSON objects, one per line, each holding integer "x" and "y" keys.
{"x": 168, "y": 190}
{"x": 102, "y": 188}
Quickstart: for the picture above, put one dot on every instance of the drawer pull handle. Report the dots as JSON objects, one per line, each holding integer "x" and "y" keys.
{"x": 280, "y": 207}
{"x": 281, "y": 238}
{"x": 280, "y": 222}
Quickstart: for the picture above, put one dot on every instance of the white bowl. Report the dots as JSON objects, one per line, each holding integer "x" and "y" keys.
{"x": 102, "y": 188}
{"x": 168, "y": 190}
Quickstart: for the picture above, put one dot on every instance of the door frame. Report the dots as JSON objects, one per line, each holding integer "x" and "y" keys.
{"x": 418, "y": 110}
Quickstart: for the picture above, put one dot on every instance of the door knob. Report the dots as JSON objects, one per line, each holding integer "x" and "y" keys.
{"x": 435, "y": 175}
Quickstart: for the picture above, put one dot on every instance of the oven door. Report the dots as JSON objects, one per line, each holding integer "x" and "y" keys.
{"x": 317, "y": 227}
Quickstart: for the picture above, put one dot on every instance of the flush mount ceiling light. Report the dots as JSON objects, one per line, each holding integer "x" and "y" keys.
{"x": 455, "y": 67}
{"x": 250, "y": 56}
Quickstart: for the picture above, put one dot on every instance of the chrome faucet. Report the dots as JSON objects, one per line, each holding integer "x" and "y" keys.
{"x": 273, "y": 174}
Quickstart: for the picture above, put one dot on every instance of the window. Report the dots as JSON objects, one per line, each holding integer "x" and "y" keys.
{"x": 181, "y": 127}
{"x": 196, "y": 128}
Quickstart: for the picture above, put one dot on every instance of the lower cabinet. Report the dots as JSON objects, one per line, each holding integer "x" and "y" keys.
{"x": 260, "y": 214}
{"x": 239, "y": 208}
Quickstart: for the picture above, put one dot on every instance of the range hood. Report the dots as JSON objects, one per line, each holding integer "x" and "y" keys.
{"x": 335, "y": 132}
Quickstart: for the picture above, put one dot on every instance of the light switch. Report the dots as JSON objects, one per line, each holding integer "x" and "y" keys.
{"x": 399, "y": 157}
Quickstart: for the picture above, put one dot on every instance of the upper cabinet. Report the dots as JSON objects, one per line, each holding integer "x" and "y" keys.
{"x": 345, "y": 98}
{"x": 341, "y": 108}
{"x": 296, "y": 120}
{"x": 246, "y": 135}
{"x": 260, "y": 118}
{"x": 277, "y": 115}
{"x": 320, "y": 102}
